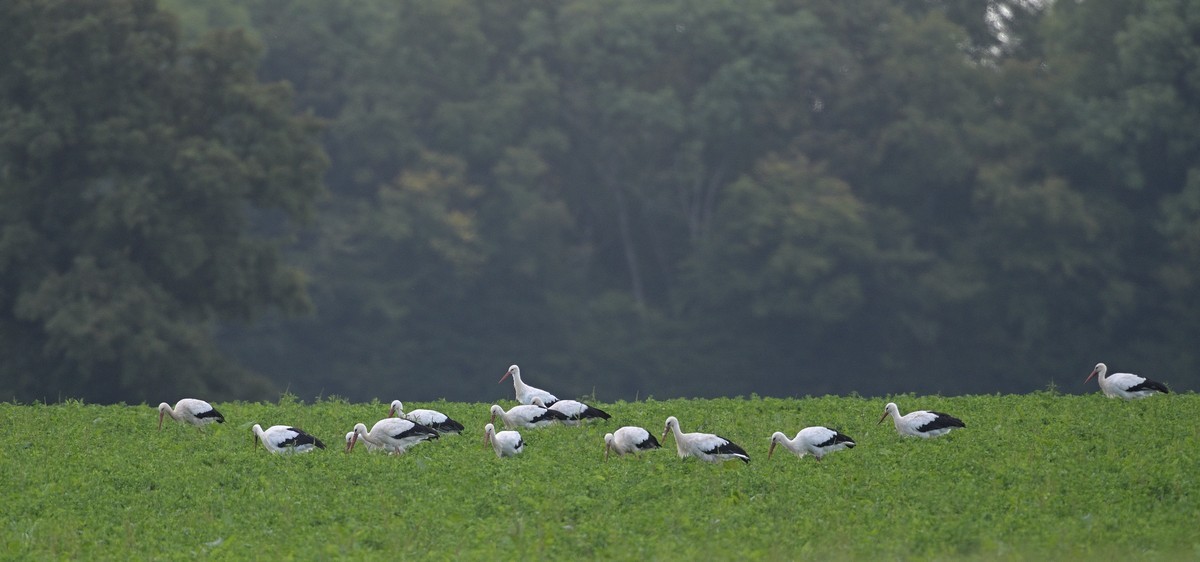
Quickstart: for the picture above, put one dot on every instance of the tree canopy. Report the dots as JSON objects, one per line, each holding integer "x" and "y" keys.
{"x": 135, "y": 170}
{"x": 625, "y": 198}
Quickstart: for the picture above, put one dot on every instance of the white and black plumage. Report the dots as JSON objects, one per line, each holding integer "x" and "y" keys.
{"x": 395, "y": 435}
{"x": 817, "y": 441}
{"x": 505, "y": 443}
{"x": 1125, "y": 385}
{"x": 431, "y": 418}
{"x": 286, "y": 439}
{"x": 921, "y": 423}
{"x": 527, "y": 415}
{"x": 704, "y": 446}
{"x": 629, "y": 439}
{"x": 526, "y": 393}
{"x": 575, "y": 410}
{"x": 190, "y": 410}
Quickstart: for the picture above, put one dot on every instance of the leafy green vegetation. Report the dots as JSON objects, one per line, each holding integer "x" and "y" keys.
{"x": 1038, "y": 476}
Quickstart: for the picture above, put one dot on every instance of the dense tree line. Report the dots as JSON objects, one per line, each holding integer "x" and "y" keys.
{"x": 672, "y": 198}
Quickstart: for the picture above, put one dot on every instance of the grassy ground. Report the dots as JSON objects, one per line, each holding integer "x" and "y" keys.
{"x": 1039, "y": 476}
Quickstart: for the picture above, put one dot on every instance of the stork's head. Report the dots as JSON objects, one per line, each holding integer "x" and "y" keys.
{"x": 1098, "y": 370}
{"x": 496, "y": 411}
{"x": 608, "y": 440}
{"x": 488, "y": 431}
{"x": 513, "y": 371}
{"x": 776, "y": 438}
{"x": 671, "y": 422}
{"x": 397, "y": 407}
{"x": 890, "y": 410}
{"x": 162, "y": 411}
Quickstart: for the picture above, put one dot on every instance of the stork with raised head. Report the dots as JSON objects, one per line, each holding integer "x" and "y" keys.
{"x": 431, "y": 418}
{"x": 817, "y": 441}
{"x": 395, "y": 435}
{"x": 1125, "y": 385}
{"x": 526, "y": 415}
{"x": 704, "y": 446}
{"x": 190, "y": 410}
{"x": 629, "y": 439}
{"x": 575, "y": 410}
{"x": 920, "y": 423}
{"x": 526, "y": 393}
{"x": 286, "y": 439}
{"x": 505, "y": 443}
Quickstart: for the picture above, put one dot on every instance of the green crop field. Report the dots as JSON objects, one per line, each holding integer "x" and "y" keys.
{"x": 1038, "y": 477}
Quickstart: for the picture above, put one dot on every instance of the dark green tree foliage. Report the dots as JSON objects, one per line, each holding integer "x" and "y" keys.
{"x": 131, "y": 168}
{"x": 677, "y": 197}
{"x": 689, "y": 197}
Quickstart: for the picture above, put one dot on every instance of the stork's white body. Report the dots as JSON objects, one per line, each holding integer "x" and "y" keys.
{"x": 575, "y": 410}
{"x": 704, "y": 446}
{"x": 921, "y": 423}
{"x": 191, "y": 411}
{"x": 629, "y": 439}
{"x": 431, "y": 418}
{"x": 526, "y": 416}
{"x": 505, "y": 443}
{"x": 817, "y": 441}
{"x": 1125, "y": 385}
{"x": 525, "y": 393}
{"x": 395, "y": 435}
{"x": 285, "y": 439}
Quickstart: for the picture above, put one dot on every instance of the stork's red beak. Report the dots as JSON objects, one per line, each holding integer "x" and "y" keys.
{"x": 160, "y": 417}
{"x": 350, "y": 444}
{"x": 1085, "y": 381}
{"x": 504, "y": 377}
{"x": 885, "y": 415}
{"x": 391, "y": 411}
{"x": 771, "y": 451}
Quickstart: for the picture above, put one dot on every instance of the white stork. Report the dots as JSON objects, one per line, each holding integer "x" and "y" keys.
{"x": 920, "y": 423}
{"x": 629, "y": 439}
{"x": 817, "y": 441}
{"x": 286, "y": 439}
{"x": 432, "y": 418}
{"x": 190, "y": 410}
{"x": 526, "y": 393}
{"x": 1125, "y": 385}
{"x": 704, "y": 446}
{"x": 505, "y": 443}
{"x": 527, "y": 415}
{"x": 395, "y": 435}
{"x": 575, "y": 410}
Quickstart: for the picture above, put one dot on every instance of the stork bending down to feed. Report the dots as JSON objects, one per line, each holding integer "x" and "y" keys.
{"x": 704, "y": 446}
{"x": 526, "y": 415}
{"x": 396, "y": 435}
{"x": 190, "y": 410}
{"x": 817, "y": 441}
{"x": 285, "y": 439}
{"x": 431, "y": 418}
{"x": 575, "y": 410}
{"x": 629, "y": 439}
{"x": 505, "y": 443}
{"x": 920, "y": 423}
{"x": 1125, "y": 385}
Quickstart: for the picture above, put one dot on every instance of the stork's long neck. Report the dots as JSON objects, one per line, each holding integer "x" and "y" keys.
{"x": 166, "y": 409}
{"x": 679, "y": 438}
{"x": 792, "y": 445}
{"x": 362, "y": 432}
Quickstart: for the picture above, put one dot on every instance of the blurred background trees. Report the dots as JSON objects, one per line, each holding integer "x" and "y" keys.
{"x": 677, "y": 198}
